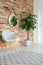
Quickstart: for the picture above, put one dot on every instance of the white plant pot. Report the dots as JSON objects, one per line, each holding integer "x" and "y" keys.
{"x": 28, "y": 43}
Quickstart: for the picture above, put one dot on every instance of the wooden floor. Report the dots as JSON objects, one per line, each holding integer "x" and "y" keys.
{"x": 10, "y": 44}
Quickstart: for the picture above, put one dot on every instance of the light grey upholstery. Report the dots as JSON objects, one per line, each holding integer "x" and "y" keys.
{"x": 9, "y": 36}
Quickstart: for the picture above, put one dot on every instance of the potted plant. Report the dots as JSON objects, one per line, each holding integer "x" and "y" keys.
{"x": 27, "y": 23}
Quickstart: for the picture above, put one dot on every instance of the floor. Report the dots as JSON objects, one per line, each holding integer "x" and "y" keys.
{"x": 20, "y": 56}
{"x": 35, "y": 48}
{"x": 29, "y": 55}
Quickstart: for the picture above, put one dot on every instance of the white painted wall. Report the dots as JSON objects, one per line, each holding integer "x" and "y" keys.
{"x": 38, "y": 5}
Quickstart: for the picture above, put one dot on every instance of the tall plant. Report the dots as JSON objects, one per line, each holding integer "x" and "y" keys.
{"x": 28, "y": 22}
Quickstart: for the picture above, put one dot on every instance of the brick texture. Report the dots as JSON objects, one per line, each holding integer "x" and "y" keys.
{"x": 19, "y": 6}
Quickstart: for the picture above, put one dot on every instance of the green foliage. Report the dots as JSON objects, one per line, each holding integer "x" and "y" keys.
{"x": 28, "y": 22}
{"x": 13, "y": 21}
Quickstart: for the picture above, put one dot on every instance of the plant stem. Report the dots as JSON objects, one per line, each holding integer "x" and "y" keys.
{"x": 27, "y": 35}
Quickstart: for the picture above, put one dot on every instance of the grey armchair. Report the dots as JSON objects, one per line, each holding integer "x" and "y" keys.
{"x": 9, "y": 36}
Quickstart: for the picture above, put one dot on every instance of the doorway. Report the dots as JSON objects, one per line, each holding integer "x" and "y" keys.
{"x": 40, "y": 26}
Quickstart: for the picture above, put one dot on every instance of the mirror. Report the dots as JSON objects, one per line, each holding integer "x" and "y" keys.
{"x": 12, "y": 19}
